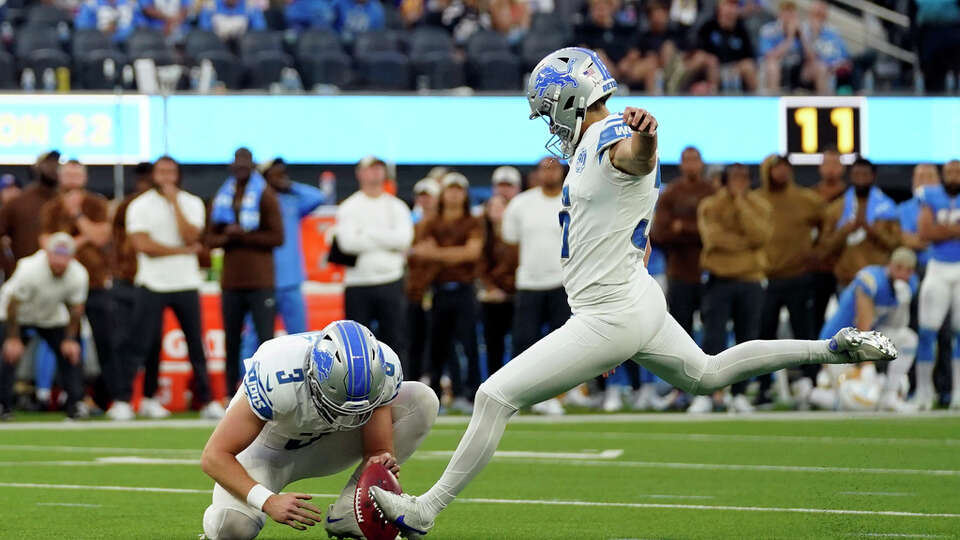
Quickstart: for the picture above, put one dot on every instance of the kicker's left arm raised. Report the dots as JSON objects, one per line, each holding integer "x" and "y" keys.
{"x": 638, "y": 154}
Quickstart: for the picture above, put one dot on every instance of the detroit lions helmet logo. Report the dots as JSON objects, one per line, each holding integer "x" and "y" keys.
{"x": 322, "y": 362}
{"x": 549, "y": 76}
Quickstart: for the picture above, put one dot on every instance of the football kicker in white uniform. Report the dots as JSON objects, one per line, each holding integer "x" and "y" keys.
{"x": 619, "y": 312}
{"x": 311, "y": 405}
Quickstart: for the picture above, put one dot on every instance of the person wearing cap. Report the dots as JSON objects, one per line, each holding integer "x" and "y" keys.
{"x": 420, "y": 274}
{"x": 9, "y": 188}
{"x": 879, "y": 298}
{"x": 506, "y": 182}
{"x": 296, "y": 200}
{"x": 85, "y": 216}
{"x": 795, "y": 220}
{"x": 245, "y": 221}
{"x": 425, "y": 193}
{"x": 453, "y": 241}
{"x": 164, "y": 226}
{"x": 376, "y": 227}
{"x": 45, "y": 295}
{"x": 19, "y": 226}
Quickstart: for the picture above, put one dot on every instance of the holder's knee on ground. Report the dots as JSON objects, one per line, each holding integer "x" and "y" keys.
{"x": 225, "y": 523}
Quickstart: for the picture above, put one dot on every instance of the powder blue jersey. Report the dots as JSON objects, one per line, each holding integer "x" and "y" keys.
{"x": 874, "y": 281}
{"x": 909, "y": 216}
{"x": 946, "y": 211}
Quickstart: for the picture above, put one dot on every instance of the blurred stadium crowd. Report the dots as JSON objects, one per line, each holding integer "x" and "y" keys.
{"x": 658, "y": 46}
{"x": 456, "y": 286}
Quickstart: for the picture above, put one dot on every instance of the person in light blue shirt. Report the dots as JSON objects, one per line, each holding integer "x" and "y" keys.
{"x": 939, "y": 223}
{"x": 116, "y": 18}
{"x": 230, "y": 19}
{"x": 297, "y": 201}
{"x": 924, "y": 175}
{"x": 879, "y": 299}
{"x": 357, "y": 16}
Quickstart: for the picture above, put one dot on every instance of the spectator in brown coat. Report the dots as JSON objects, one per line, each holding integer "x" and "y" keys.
{"x": 454, "y": 240}
{"x": 420, "y": 274}
{"x": 498, "y": 270}
{"x": 245, "y": 221}
{"x": 735, "y": 228}
{"x": 85, "y": 216}
{"x": 19, "y": 226}
{"x": 862, "y": 227}
{"x": 832, "y": 184}
{"x": 675, "y": 230}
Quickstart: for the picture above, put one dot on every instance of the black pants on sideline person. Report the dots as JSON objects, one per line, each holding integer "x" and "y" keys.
{"x": 418, "y": 329}
{"x": 144, "y": 336}
{"x": 532, "y": 310}
{"x": 725, "y": 299}
{"x": 126, "y": 298}
{"x": 683, "y": 300}
{"x": 497, "y": 321}
{"x": 383, "y": 304}
{"x": 454, "y": 321}
{"x": 794, "y": 294}
{"x": 236, "y": 303}
{"x": 71, "y": 375}
{"x": 824, "y": 286}
{"x": 100, "y": 312}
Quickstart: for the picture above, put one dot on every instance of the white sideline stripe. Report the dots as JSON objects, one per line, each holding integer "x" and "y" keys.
{"x": 481, "y": 500}
{"x": 877, "y": 493}
{"x": 78, "y": 505}
{"x": 900, "y": 535}
{"x": 712, "y": 437}
{"x": 604, "y": 454}
{"x": 630, "y": 418}
{"x": 736, "y": 467}
{"x": 97, "y": 449}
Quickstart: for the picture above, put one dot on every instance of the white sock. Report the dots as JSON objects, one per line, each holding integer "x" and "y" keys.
{"x": 956, "y": 380}
{"x": 344, "y": 503}
{"x": 925, "y": 378}
{"x": 758, "y": 357}
{"x": 477, "y": 446}
{"x": 896, "y": 370}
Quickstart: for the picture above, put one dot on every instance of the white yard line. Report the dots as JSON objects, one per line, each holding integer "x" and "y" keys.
{"x": 603, "y": 454}
{"x": 97, "y": 449}
{"x": 78, "y": 505}
{"x": 877, "y": 493}
{"x": 900, "y": 535}
{"x": 732, "y": 467}
{"x": 712, "y": 437}
{"x": 481, "y": 500}
{"x": 628, "y": 418}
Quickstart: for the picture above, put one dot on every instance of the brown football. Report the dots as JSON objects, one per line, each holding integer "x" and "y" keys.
{"x": 371, "y": 521}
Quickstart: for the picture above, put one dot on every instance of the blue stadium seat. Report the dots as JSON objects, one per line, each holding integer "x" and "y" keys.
{"x": 441, "y": 69}
{"x": 256, "y": 42}
{"x": 315, "y": 41}
{"x": 145, "y": 43}
{"x": 84, "y": 41}
{"x": 537, "y": 45}
{"x": 265, "y": 67}
{"x": 495, "y": 70}
{"x": 226, "y": 65}
{"x": 329, "y": 67}
{"x": 485, "y": 41}
{"x": 198, "y": 42}
{"x": 33, "y": 38}
{"x": 428, "y": 39}
{"x": 90, "y": 72}
{"x": 384, "y": 70}
{"x": 8, "y": 71}
{"x": 378, "y": 41}
{"x": 47, "y": 15}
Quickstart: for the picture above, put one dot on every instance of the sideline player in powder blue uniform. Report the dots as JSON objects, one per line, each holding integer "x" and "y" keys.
{"x": 879, "y": 299}
{"x": 939, "y": 224}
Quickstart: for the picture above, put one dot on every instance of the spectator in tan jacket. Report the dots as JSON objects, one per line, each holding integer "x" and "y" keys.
{"x": 735, "y": 228}
{"x": 862, "y": 227}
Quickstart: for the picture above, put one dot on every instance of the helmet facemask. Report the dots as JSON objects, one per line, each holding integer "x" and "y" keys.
{"x": 563, "y": 140}
{"x": 349, "y": 414}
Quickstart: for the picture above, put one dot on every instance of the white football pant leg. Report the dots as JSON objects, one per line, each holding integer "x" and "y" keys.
{"x": 935, "y": 295}
{"x": 905, "y": 340}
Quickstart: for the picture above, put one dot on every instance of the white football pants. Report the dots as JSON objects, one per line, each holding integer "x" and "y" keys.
{"x": 228, "y": 518}
{"x": 592, "y": 342}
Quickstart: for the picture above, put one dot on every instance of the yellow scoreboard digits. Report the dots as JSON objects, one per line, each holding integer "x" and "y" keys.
{"x": 813, "y": 125}
{"x": 88, "y": 130}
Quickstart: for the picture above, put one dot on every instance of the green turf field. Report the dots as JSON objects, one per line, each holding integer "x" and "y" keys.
{"x": 773, "y": 476}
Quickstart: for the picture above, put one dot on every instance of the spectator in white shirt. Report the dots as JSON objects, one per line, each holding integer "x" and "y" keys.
{"x": 164, "y": 225}
{"x": 45, "y": 294}
{"x": 530, "y": 222}
{"x": 376, "y": 227}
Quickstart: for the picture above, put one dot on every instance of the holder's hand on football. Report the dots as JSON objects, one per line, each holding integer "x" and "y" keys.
{"x": 640, "y": 120}
{"x": 387, "y": 460}
{"x": 293, "y": 510}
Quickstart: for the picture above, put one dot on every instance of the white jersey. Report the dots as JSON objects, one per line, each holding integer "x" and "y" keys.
{"x": 277, "y": 391}
{"x": 605, "y": 218}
